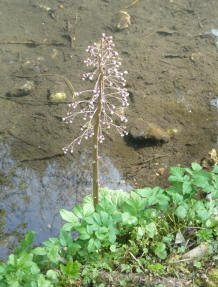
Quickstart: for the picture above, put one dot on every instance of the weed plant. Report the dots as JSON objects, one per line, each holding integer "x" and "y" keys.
{"x": 139, "y": 232}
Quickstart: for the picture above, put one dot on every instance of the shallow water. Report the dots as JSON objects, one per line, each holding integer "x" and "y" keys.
{"x": 170, "y": 52}
{"x": 32, "y": 201}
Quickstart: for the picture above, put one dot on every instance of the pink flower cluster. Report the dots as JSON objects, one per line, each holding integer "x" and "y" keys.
{"x": 109, "y": 86}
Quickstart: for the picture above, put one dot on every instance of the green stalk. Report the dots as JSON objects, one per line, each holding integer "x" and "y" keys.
{"x": 95, "y": 165}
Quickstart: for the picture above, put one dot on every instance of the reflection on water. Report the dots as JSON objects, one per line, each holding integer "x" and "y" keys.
{"x": 214, "y": 32}
{"x": 214, "y": 102}
{"x": 32, "y": 201}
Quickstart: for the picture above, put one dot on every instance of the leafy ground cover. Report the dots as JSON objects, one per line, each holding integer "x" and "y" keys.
{"x": 152, "y": 232}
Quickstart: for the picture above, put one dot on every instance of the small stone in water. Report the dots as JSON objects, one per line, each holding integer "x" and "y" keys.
{"x": 214, "y": 102}
{"x": 57, "y": 96}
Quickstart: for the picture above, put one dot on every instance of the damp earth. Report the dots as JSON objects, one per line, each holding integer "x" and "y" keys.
{"x": 169, "y": 48}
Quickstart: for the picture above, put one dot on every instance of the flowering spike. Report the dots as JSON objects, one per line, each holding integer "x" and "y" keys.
{"x": 100, "y": 110}
{"x": 106, "y": 63}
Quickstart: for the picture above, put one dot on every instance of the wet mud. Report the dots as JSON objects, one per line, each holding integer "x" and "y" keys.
{"x": 169, "y": 48}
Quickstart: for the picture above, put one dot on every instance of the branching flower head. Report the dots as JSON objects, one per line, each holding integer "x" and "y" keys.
{"x": 107, "y": 94}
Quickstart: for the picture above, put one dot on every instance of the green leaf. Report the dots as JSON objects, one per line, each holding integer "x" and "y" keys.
{"x": 137, "y": 201}
{"x": 151, "y": 229}
{"x": 26, "y": 243}
{"x": 34, "y": 269}
{"x": 89, "y": 219}
{"x": 150, "y": 213}
{"x": 12, "y": 260}
{"x": 177, "y": 198}
{"x": 204, "y": 235}
{"x": 65, "y": 238}
{"x": 129, "y": 219}
{"x": 216, "y": 231}
{"x": 97, "y": 243}
{"x": 127, "y": 207}
{"x": 94, "y": 244}
{"x": 3, "y": 268}
{"x": 97, "y": 218}
{"x": 83, "y": 233}
{"x": 13, "y": 282}
{"x": 39, "y": 251}
{"x": 91, "y": 228}
{"x": 144, "y": 192}
{"x": 53, "y": 254}
{"x": 181, "y": 212}
{"x": 104, "y": 217}
{"x": 68, "y": 226}
{"x": 197, "y": 264}
{"x": 88, "y": 207}
{"x": 201, "y": 211}
{"x": 156, "y": 267}
{"x": 196, "y": 166}
{"x": 113, "y": 248}
{"x": 168, "y": 238}
{"x": 52, "y": 275}
{"x": 160, "y": 250}
{"x": 42, "y": 282}
{"x": 101, "y": 233}
{"x": 186, "y": 187}
{"x": 84, "y": 236}
{"x": 177, "y": 174}
{"x": 203, "y": 214}
{"x": 125, "y": 268}
{"x": 215, "y": 170}
{"x": 156, "y": 196}
{"x": 71, "y": 269}
{"x": 200, "y": 181}
{"x": 112, "y": 234}
{"x": 69, "y": 217}
{"x": 78, "y": 211}
{"x": 210, "y": 223}
{"x": 91, "y": 245}
{"x": 140, "y": 232}
{"x": 152, "y": 196}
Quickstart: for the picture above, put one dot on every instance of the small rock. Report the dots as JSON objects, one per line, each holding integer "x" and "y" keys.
{"x": 142, "y": 129}
{"x": 180, "y": 238}
{"x": 214, "y": 156}
{"x": 22, "y": 91}
{"x": 197, "y": 252}
{"x": 161, "y": 171}
{"x": 138, "y": 129}
{"x": 54, "y": 53}
{"x": 172, "y": 132}
{"x": 123, "y": 20}
{"x": 28, "y": 86}
{"x": 158, "y": 133}
{"x": 56, "y": 97}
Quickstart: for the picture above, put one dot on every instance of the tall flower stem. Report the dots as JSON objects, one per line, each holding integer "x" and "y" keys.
{"x": 100, "y": 108}
{"x": 96, "y": 139}
{"x": 97, "y": 134}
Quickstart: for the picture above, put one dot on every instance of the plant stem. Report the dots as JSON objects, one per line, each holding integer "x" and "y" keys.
{"x": 96, "y": 138}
